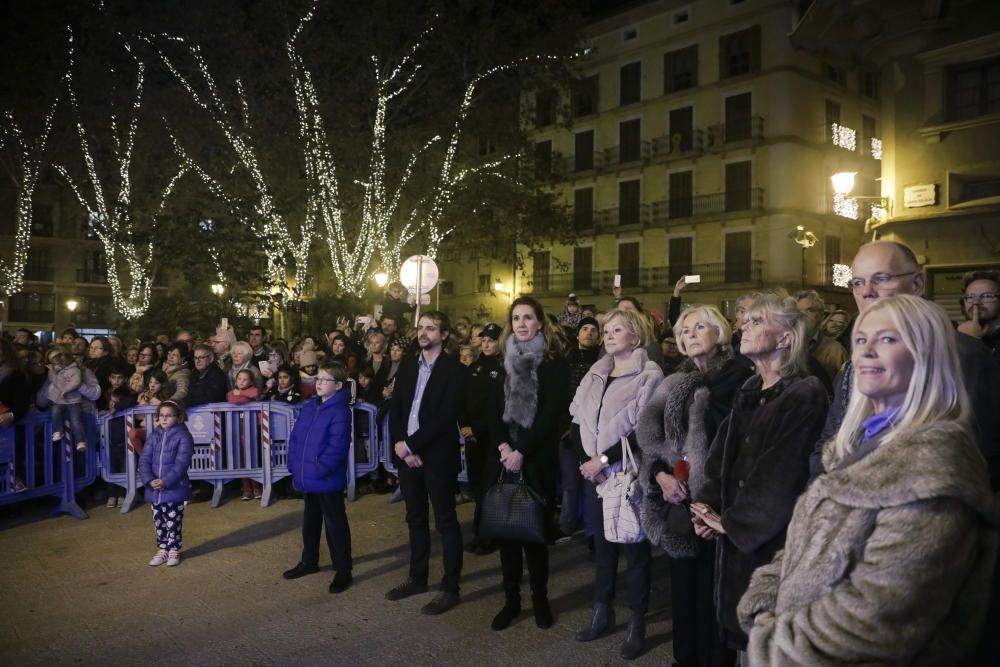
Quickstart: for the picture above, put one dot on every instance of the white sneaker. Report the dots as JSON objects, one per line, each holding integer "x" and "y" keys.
{"x": 159, "y": 559}
{"x": 111, "y": 502}
{"x": 173, "y": 558}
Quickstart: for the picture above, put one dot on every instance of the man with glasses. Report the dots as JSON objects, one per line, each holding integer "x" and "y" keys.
{"x": 882, "y": 269}
{"x": 981, "y": 307}
{"x": 824, "y": 351}
{"x": 208, "y": 382}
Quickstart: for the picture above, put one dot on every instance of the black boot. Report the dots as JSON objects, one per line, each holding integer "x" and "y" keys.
{"x": 510, "y": 611}
{"x": 634, "y": 636}
{"x": 602, "y": 619}
{"x": 543, "y": 613}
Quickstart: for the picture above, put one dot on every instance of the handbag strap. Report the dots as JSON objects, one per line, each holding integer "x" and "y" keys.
{"x": 628, "y": 456}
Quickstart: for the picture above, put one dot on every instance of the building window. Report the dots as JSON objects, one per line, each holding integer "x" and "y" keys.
{"x": 487, "y": 146}
{"x": 974, "y": 90}
{"x": 93, "y": 310}
{"x": 738, "y": 257}
{"x": 95, "y": 268}
{"x": 680, "y": 69}
{"x": 681, "y": 187}
{"x": 545, "y": 107}
{"x": 583, "y": 208}
{"x": 483, "y": 283}
{"x": 628, "y": 202}
{"x": 42, "y": 220}
{"x": 739, "y": 119}
{"x": 583, "y": 268}
{"x": 834, "y": 75}
{"x": 447, "y": 287}
{"x": 628, "y": 263}
{"x": 739, "y": 52}
{"x": 832, "y": 118}
{"x": 629, "y": 140}
{"x": 32, "y": 307}
{"x": 869, "y": 84}
{"x": 630, "y": 78}
{"x": 739, "y": 177}
{"x": 583, "y": 145}
{"x": 681, "y": 129}
{"x": 37, "y": 266}
{"x": 680, "y": 258}
{"x": 543, "y": 160}
{"x": 831, "y": 254}
{"x": 584, "y": 96}
{"x": 869, "y": 131}
{"x": 541, "y": 261}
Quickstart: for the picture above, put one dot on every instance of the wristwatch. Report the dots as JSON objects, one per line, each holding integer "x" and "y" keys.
{"x": 604, "y": 459}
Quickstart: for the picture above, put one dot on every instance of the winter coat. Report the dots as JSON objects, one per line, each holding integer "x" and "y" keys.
{"x": 679, "y": 422}
{"x": 756, "y": 468}
{"x": 206, "y": 387}
{"x": 485, "y": 377}
{"x": 605, "y": 416}
{"x": 64, "y": 385}
{"x": 15, "y": 391}
{"x": 539, "y": 443}
{"x": 167, "y": 456}
{"x": 888, "y": 559}
{"x": 245, "y": 396}
{"x": 320, "y": 443}
{"x": 287, "y": 396}
{"x": 178, "y": 377}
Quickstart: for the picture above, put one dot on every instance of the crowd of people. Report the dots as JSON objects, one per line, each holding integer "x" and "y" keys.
{"x": 824, "y": 485}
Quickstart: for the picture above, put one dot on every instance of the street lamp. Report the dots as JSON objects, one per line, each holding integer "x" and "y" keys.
{"x": 805, "y": 239}
{"x": 498, "y": 286}
{"x": 843, "y": 182}
{"x": 72, "y": 305}
{"x": 381, "y": 278}
{"x": 218, "y": 289}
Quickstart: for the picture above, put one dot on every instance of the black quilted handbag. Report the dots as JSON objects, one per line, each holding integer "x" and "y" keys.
{"x": 512, "y": 512}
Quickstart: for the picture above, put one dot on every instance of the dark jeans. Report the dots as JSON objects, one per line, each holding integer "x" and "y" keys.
{"x": 697, "y": 637}
{"x": 572, "y": 490}
{"x": 638, "y": 556}
{"x": 419, "y": 485}
{"x": 475, "y": 461}
{"x": 512, "y": 566}
{"x": 326, "y": 510}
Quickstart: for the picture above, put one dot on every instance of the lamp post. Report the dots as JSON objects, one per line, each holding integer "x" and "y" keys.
{"x": 71, "y": 305}
{"x": 843, "y": 185}
{"x": 805, "y": 240}
{"x": 381, "y": 278}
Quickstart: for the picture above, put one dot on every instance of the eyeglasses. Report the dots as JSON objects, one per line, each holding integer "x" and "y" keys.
{"x": 202, "y": 356}
{"x": 318, "y": 380}
{"x": 985, "y": 297}
{"x": 879, "y": 280}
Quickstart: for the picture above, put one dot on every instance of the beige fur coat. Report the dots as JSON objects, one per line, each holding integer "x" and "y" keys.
{"x": 888, "y": 560}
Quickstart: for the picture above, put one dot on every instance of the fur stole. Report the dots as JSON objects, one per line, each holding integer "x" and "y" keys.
{"x": 520, "y": 387}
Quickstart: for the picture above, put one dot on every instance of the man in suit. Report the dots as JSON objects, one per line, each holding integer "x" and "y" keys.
{"x": 427, "y": 400}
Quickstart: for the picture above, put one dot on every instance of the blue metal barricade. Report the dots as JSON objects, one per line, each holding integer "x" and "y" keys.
{"x": 34, "y": 466}
{"x": 365, "y": 445}
{"x": 390, "y": 467}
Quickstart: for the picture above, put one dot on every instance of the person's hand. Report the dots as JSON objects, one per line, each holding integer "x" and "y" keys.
{"x": 591, "y": 469}
{"x": 674, "y": 491}
{"x": 680, "y": 285}
{"x": 343, "y": 324}
{"x": 616, "y": 292}
{"x": 512, "y": 459}
{"x": 266, "y": 371}
{"x": 762, "y": 617}
{"x": 402, "y": 451}
{"x": 413, "y": 461}
{"x": 466, "y": 432}
{"x": 156, "y": 484}
{"x": 708, "y": 516}
{"x": 387, "y": 391}
{"x": 6, "y": 419}
{"x": 973, "y": 327}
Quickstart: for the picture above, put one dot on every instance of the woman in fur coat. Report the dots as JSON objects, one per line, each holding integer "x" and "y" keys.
{"x": 606, "y": 409}
{"x": 527, "y": 417}
{"x": 759, "y": 461}
{"x": 675, "y": 429}
{"x": 889, "y": 555}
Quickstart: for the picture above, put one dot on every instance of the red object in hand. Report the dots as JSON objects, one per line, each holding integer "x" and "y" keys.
{"x": 682, "y": 470}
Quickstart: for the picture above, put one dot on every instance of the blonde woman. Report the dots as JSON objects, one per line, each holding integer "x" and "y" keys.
{"x": 606, "y": 409}
{"x": 759, "y": 461}
{"x": 675, "y": 432}
{"x": 889, "y": 555}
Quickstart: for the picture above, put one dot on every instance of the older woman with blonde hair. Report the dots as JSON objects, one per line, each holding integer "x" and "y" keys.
{"x": 605, "y": 410}
{"x": 675, "y": 431}
{"x": 758, "y": 463}
{"x": 242, "y": 357}
{"x": 890, "y": 554}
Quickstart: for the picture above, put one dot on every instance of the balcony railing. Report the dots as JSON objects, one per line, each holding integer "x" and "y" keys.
{"x": 579, "y": 162}
{"x": 743, "y": 129}
{"x": 645, "y": 279}
{"x": 617, "y": 155}
{"x": 678, "y": 144}
{"x": 716, "y": 203}
{"x": 38, "y": 273}
{"x": 616, "y": 217}
{"x": 91, "y": 277}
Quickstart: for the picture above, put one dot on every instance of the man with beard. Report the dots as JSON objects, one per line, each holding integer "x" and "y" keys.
{"x": 981, "y": 306}
{"x": 423, "y": 424}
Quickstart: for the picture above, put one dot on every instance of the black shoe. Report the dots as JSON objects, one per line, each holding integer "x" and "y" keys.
{"x": 405, "y": 590}
{"x": 543, "y": 612}
{"x": 511, "y": 610}
{"x": 341, "y": 582}
{"x": 602, "y": 620}
{"x": 471, "y": 546}
{"x": 486, "y": 548}
{"x": 300, "y": 570}
{"x": 441, "y": 603}
{"x": 634, "y": 636}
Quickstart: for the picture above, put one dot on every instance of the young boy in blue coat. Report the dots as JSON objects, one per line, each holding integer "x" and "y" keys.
{"x": 318, "y": 453}
{"x": 163, "y": 468}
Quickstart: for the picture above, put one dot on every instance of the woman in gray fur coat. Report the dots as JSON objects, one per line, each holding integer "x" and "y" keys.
{"x": 889, "y": 555}
{"x": 678, "y": 425}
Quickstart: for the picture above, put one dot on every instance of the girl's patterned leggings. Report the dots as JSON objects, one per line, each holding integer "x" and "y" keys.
{"x": 167, "y": 519}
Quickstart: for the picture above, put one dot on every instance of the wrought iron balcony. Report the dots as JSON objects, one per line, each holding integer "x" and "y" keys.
{"x": 617, "y": 217}
{"x": 679, "y": 144}
{"x": 41, "y": 274}
{"x": 667, "y": 210}
{"x": 660, "y": 278}
{"x": 742, "y": 129}
{"x": 623, "y": 155}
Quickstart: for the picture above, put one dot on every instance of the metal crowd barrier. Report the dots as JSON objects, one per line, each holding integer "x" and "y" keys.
{"x": 33, "y": 465}
{"x": 366, "y": 446}
{"x": 390, "y": 467}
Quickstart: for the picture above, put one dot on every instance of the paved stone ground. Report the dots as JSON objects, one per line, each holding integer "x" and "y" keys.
{"x": 80, "y": 592}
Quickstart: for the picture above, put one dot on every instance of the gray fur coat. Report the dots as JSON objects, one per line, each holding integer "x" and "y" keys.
{"x": 888, "y": 560}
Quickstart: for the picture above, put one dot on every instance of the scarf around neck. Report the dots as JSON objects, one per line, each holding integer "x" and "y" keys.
{"x": 520, "y": 387}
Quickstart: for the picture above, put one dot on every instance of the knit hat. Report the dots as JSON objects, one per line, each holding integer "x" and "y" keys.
{"x": 492, "y": 330}
{"x": 225, "y": 336}
{"x": 588, "y": 320}
{"x": 307, "y": 358}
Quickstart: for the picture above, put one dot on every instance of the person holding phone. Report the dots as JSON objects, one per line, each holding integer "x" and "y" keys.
{"x": 758, "y": 463}
{"x": 675, "y": 431}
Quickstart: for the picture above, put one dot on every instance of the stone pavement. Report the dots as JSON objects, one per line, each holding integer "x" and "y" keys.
{"x": 80, "y": 592}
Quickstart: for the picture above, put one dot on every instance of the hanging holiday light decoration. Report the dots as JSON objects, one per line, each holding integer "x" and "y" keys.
{"x": 842, "y": 275}
{"x": 845, "y": 206}
{"x": 844, "y": 136}
{"x": 876, "y": 148}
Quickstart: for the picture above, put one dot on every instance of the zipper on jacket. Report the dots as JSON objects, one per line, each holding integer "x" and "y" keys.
{"x": 159, "y": 465}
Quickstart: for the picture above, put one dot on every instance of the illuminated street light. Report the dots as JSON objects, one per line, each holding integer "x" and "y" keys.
{"x": 381, "y": 278}
{"x": 498, "y": 285}
{"x": 72, "y": 305}
{"x": 218, "y": 289}
{"x": 843, "y": 182}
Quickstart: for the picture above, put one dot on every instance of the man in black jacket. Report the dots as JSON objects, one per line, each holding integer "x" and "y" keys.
{"x": 208, "y": 382}
{"x": 423, "y": 424}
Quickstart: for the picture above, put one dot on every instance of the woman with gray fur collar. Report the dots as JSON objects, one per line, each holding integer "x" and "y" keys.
{"x": 890, "y": 554}
{"x": 675, "y": 431}
{"x": 605, "y": 409}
